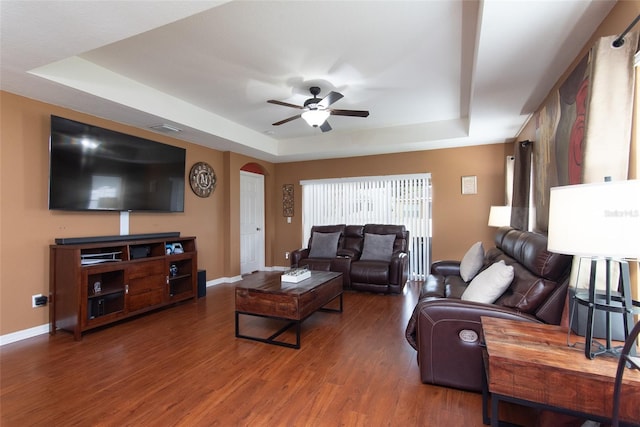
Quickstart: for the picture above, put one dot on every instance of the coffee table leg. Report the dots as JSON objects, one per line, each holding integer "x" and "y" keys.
{"x": 271, "y": 339}
{"x": 237, "y": 325}
{"x": 298, "y": 330}
{"x": 485, "y": 397}
{"x": 333, "y": 310}
{"x": 495, "y": 419}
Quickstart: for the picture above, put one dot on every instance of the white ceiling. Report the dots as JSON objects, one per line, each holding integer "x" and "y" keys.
{"x": 432, "y": 73}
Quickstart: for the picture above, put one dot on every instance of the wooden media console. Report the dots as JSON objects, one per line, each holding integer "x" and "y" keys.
{"x": 95, "y": 284}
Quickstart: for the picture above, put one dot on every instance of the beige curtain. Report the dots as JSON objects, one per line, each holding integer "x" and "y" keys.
{"x": 610, "y": 108}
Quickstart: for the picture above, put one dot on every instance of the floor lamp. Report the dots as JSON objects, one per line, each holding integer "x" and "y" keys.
{"x": 599, "y": 221}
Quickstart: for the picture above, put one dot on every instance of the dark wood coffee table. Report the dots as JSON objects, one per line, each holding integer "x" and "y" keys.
{"x": 264, "y": 295}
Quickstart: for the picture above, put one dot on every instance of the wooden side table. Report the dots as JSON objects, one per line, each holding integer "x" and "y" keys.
{"x": 531, "y": 364}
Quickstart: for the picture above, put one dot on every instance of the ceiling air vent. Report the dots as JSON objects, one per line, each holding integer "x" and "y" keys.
{"x": 165, "y": 128}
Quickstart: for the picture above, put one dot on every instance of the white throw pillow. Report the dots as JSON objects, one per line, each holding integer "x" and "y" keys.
{"x": 472, "y": 262}
{"x": 487, "y": 286}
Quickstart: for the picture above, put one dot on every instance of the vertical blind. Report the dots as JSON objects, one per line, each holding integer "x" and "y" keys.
{"x": 393, "y": 199}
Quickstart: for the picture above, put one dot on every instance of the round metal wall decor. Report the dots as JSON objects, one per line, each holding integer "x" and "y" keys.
{"x": 202, "y": 179}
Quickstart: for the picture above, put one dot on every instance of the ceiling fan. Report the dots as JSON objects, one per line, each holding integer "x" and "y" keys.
{"x": 316, "y": 110}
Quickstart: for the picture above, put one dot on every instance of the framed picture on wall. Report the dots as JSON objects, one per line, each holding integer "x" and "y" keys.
{"x": 287, "y": 200}
{"x": 470, "y": 184}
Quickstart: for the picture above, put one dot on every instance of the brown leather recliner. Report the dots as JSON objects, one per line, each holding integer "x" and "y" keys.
{"x": 446, "y": 331}
{"x": 349, "y": 247}
{"x": 384, "y": 276}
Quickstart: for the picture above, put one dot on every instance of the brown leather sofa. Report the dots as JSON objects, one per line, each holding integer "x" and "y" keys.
{"x": 368, "y": 273}
{"x": 446, "y": 331}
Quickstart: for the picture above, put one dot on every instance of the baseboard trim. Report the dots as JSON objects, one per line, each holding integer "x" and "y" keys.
{"x": 215, "y": 282}
{"x": 44, "y": 329}
{"x": 24, "y": 334}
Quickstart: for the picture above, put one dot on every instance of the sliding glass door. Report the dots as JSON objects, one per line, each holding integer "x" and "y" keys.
{"x": 390, "y": 199}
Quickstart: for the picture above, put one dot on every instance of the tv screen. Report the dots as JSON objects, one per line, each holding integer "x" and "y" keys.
{"x": 91, "y": 168}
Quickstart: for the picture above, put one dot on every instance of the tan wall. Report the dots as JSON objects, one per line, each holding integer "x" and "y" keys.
{"x": 458, "y": 220}
{"x": 27, "y": 227}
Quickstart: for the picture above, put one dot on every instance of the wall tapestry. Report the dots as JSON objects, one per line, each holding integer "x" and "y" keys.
{"x": 583, "y": 132}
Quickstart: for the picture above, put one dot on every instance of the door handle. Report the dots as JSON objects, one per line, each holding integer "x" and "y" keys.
{"x": 258, "y": 229}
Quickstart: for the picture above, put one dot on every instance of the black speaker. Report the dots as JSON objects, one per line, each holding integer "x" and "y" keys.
{"x": 102, "y": 239}
{"x": 202, "y": 283}
{"x": 137, "y": 252}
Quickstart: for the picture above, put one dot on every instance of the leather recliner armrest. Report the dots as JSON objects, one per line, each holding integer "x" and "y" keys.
{"x": 447, "y": 334}
{"x": 398, "y": 269}
{"x": 446, "y": 268}
{"x": 348, "y": 253}
{"x": 298, "y": 255}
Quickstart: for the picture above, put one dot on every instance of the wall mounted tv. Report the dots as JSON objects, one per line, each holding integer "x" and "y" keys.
{"x": 92, "y": 168}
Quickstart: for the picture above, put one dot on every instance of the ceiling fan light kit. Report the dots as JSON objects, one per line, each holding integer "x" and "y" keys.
{"x": 315, "y": 118}
{"x": 316, "y": 110}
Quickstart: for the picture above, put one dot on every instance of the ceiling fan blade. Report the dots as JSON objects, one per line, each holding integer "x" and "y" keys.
{"x": 325, "y": 127}
{"x": 284, "y": 104}
{"x": 281, "y": 122}
{"x": 330, "y": 99}
{"x": 352, "y": 113}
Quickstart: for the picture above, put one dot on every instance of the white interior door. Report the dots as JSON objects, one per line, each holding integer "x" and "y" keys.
{"x": 251, "y": 222}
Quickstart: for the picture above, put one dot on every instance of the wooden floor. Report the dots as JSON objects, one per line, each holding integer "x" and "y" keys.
{"x": 184, "y": 366}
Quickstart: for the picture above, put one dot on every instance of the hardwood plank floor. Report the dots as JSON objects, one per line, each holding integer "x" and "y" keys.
{"x": 184, "y": 366}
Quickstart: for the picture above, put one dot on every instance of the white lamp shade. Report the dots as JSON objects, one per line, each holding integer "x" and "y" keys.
{"x": 499, "y": 216}
{"x": 315, "y": 118}
{"x": 601, "y": 219}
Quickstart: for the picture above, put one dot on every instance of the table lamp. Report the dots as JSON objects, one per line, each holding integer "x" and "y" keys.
{"x": 499, "y": 216}
{"x": 599, "y": 221}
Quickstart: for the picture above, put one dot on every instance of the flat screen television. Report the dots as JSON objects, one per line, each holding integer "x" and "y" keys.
{"x": 91, "y": 168}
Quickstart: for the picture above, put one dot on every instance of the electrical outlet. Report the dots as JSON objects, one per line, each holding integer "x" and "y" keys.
{"x": 286, "y": 255}
{"x": 38, "y": 300}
